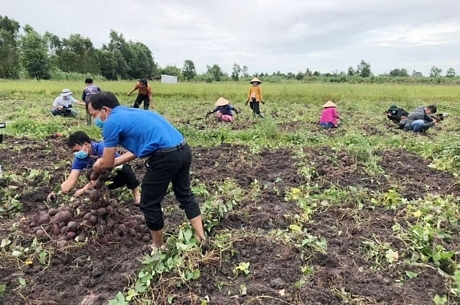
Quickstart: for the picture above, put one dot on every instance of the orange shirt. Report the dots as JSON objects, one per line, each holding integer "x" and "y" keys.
{"x": 144, "y": 90}
{"x": 255, "y": 92}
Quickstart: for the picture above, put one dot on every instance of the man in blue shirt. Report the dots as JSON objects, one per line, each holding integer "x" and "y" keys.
{"x": 86, "y": 152}
{"x": 89, "y": 91}
{"x": 146, "y": 134}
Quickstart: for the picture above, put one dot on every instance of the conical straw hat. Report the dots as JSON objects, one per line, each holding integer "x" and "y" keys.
{"x": 255, "y": 79}
{"x": 222, "y": 102}
{"x": 329, "y": 104}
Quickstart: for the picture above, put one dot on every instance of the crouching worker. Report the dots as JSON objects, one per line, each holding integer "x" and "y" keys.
{"x": 86, "y": 152}
{"x": 330, "y": 118}
{"x": 223, "y": 110}
{"x": 396, "y": 114}
{"x": 63, "y": 104}
{"x": 419, "y": 120}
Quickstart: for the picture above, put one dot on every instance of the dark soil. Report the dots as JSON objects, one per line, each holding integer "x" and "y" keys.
{"x": 340, "y": 168}
{"x": 413, "y": 177}
{"x": 93, "y": 273}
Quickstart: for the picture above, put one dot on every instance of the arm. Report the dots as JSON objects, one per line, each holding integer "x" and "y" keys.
{"x": 249, "y": 96}
{"x": 70, "y": 182}
{"x": 134, "y": 89}
{"x": 88, "y": 186}
{"x": 78, "y": 102}
{"x": 260, "y": 94}
{"x": 211, "y": 111}
{"x": 336, "y": 114}
{"x": 107, "y": 161}
{"x": 124, "y": 158}
{"x": 83, "y": 96}
{"x": 55, "y": 104}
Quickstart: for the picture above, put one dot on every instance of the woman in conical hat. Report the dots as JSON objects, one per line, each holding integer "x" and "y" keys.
{"x": 223, "y": 110}
{"x": 330, "y": 118}
{"x": 255, "y": 96}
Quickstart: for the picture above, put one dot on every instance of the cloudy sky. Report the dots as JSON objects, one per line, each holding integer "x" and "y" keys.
{"x": 265, "y": 35}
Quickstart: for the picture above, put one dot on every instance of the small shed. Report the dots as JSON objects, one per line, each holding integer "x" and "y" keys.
{"x": 168, "y": 79}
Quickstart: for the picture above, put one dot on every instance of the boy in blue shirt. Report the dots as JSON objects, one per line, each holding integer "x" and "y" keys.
{"x": 146, "y": 134}
{"x": 86, "y": 152}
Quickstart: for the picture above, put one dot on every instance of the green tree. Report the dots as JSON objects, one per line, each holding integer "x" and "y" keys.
{"x": 9, "y": 48}
{"x": 417, "y": 74}
{"x": 236, "y": 71}
{"x": 108, "y": 65}
{"x": 142, "y": 63}
{"x": 435, "y": 72}
{"x": 215, "y": 72}
{"x": 244, "y": 70}
{"x": 364, "y": 69}
{"x": 450, "y": 72}
{"x": 77, "y": 54}
{"x": 171, "y": 70}
{"x": 34, "y": 54}
{"x": 189, "y": 71}
{"x": 351, "y": 71}
{"x": 399, "y": 72}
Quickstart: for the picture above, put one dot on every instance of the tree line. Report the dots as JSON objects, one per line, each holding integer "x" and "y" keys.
{"x": 40, "y": 56}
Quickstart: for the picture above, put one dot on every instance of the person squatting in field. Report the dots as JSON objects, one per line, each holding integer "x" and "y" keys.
{"x": 330, "y": 118}
{"x": 144, "y": 94}
{"x": 255, "y": 96}
{"x": 420, "y": 119}
{"x": 86, "y": 152}
{"x": 146, "y": 134}
{"x": 396, "y": 114}
{"x": 63, "y": 104}
{"x": 223, "y": 110}
{"x": 89, "y": 90}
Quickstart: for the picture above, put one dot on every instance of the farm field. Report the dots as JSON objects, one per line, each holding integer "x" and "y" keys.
{"x": 364, "y": 214}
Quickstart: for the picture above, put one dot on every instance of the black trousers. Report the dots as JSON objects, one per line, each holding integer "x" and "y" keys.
{"x": 162, "y": 169}
{"x": 88, "y": 115}
{"x": 142, "y": 98}
{"x": 125, "y": 176}
{"x": 254, "y": 106}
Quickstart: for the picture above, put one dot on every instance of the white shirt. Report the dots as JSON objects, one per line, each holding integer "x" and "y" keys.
{"x": 64, "y": 101}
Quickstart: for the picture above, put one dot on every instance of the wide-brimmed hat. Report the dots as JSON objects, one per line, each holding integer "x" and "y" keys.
{"x": 222, "y": 102}
{"x": 393, "y": 107}
{"x": 329, "y": 104}
{"x": 66, "y": 92}
{"x": 255, "y": 80}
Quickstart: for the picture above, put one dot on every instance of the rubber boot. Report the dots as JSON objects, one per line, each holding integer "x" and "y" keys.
{"x": 260, "y": 115}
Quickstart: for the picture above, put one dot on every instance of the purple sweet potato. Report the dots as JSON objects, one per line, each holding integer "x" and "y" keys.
{"x": 93, "y": 220}
{"x": 52, "y": 211}
{"x": 63, "y": 217}
{"x": 102, "y": 212}
{"x": 72, "y": 226}
{"x": 55, "y": 229}
{"x": 63, "y": 230}
{"x": 40, "y": 233}
{"x": 43, "y": 218}
{"x": 95, "y": 195}
{"x": 81, "y": 237}
{"x": 71, "y": 235}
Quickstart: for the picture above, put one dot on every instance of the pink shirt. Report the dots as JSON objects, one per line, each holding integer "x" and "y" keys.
{"x": 329, "y": 115}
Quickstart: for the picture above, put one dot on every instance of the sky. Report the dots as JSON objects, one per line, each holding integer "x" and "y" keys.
{"x": 264, "y": 35}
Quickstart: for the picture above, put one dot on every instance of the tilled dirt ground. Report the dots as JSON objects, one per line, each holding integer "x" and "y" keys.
{"x": 94, "y": 272}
